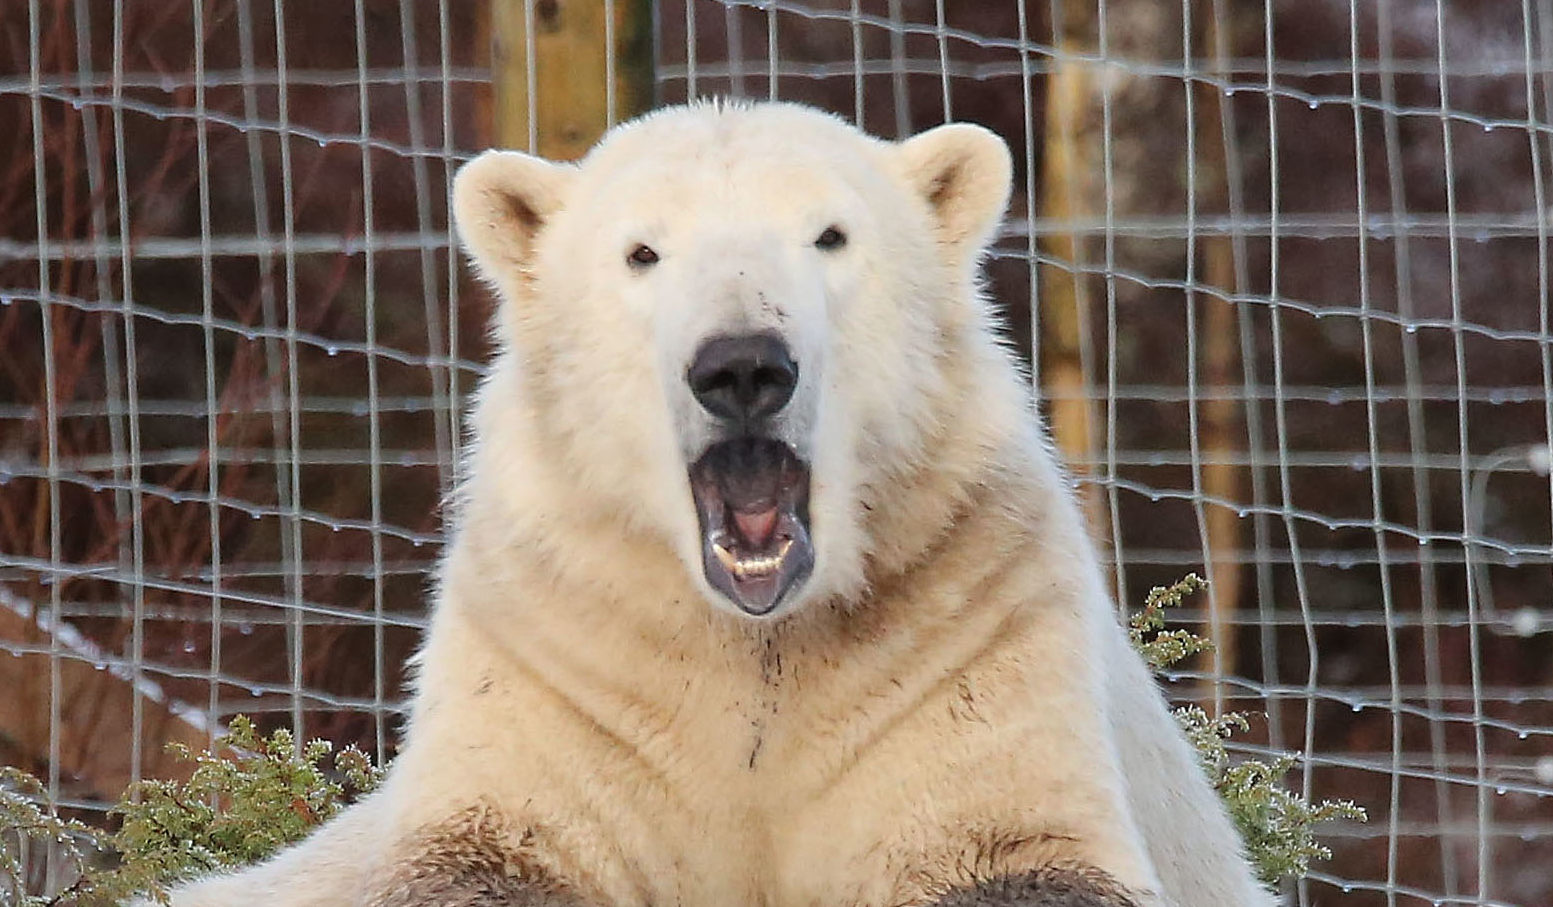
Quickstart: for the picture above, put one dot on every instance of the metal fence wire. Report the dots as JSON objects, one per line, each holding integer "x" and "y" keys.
{"x": 1281, "y": 270}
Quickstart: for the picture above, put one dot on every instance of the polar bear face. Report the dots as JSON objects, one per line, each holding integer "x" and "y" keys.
{"x": 728, "y": 322}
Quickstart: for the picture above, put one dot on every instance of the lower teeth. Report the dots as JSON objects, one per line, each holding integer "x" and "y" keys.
{"x": 744, "y": 568}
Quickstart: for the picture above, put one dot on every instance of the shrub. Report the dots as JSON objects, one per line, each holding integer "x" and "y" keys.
{"x": 1277, "y": 826}
{"x": 246, "y": 798}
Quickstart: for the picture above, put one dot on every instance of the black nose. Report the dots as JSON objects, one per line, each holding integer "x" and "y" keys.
{"x": 743, "y": 379}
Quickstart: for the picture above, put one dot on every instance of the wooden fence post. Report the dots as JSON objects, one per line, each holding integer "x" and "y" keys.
{"x": 564, "y": 71}
{"x": 1070, "y": 189}
{"x": 1143, "y": 175}
{"x": 1220, "y": 420}
{"x": 96, "y": 732}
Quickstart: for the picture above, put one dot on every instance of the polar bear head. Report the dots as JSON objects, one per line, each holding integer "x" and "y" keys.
{"x": 735, "y": 328}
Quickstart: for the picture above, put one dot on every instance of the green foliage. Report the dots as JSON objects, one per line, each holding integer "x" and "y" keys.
{"x": 24, "y": 825}
{"x": 1277, "y": 826}
{"x": 251, "y": 795}
{"x": 245, "y": 799}
{"x": 1159, "y": 647}
{"x": 241, "y": 804}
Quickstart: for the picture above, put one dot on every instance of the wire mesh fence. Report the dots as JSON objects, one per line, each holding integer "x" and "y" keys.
{"x": 1280, "y": 269}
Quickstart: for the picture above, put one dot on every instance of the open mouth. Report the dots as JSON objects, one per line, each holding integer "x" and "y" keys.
{"x": 752, "y": 499}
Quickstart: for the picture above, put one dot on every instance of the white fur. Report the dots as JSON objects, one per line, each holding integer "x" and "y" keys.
{"x": 949, "y": 697}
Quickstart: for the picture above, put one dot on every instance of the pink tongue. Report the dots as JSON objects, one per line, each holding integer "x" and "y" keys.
{"x": 756, "y": 527}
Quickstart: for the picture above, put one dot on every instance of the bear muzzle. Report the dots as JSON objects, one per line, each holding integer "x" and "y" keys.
{"x": 752, "y": 503}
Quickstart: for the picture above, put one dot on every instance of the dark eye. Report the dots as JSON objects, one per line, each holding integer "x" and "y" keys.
{"x": 832, "y": 238}
{"x": 642, "y": 257}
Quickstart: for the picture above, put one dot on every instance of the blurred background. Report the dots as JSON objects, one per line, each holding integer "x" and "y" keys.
{"x": 1281, "y": 270}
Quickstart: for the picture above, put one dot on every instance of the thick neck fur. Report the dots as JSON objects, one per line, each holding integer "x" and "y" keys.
{"x": 618, "y": 627}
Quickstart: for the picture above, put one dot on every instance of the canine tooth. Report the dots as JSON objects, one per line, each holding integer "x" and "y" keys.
{"x": 726, "y": 557}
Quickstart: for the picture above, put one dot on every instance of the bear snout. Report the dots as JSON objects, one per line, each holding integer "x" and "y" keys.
{"x": 743, "y": 379}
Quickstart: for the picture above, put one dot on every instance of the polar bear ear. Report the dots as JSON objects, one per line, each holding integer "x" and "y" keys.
{"x": 965, "y": 174}
{"x": 502, "y": 199}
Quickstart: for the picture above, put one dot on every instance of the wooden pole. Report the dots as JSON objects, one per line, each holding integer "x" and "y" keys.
{"x": 1074, "y": 190}
{"x": 564, "y": 71}
{"x": 1220, "y": 420}
{"x": 96, "y": 731}
{"x": 1069, "y": 171}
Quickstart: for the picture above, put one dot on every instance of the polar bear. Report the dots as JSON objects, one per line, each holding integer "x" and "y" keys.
{"x": 763, "y": 585}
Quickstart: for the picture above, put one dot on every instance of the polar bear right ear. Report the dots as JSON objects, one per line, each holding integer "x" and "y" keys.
{"x": 502, "y": 199}
{"x": 965, "y": 174}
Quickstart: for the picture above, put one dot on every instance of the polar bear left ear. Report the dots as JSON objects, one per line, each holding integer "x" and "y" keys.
{"x": 965, "y": 174}
{"x": 502, "y": 199}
